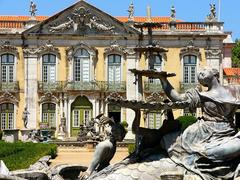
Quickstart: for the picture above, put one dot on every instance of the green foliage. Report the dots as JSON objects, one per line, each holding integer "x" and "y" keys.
{"x": 236, "y": 54}
{"x": 125, "y": 125}
{"x": 131, "y": 148}
{"x": 21, "y": 155}
{"x": 186, "y": 121}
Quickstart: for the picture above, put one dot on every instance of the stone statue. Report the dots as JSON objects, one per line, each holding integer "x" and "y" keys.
{"x": 208, "y": 149}
{"x": 131, "y": 12}
{"x": 173, "y": 14}
{"x": 25, "y": 117}
{"x": 212, "y": 15}
{"x": 33, "y": 9}
{"x": 105, "y": 150}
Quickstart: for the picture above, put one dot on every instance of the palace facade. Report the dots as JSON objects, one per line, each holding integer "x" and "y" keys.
{"x": 64, "y": 66}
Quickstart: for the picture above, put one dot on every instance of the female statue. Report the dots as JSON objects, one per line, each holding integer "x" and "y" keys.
{"x": 209, "y": 148}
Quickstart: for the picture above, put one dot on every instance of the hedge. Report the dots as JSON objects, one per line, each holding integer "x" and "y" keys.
{"x": 21, "y": 155}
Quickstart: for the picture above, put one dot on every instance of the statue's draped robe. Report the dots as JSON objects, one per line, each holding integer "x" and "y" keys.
{"x": 201, "y": 147}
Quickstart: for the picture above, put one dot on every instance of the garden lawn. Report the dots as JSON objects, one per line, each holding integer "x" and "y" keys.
{"x": 21, "y": 155}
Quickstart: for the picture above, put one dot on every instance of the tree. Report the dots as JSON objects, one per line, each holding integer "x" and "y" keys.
{"x": 236, "y": 54}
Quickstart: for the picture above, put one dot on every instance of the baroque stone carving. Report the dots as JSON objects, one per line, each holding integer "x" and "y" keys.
{"x": 7, "y": 47}
{"x": 49, "y": 97}
{"x": 80, "y": 19}
{"x": 190, "y": 49}
{"x": 115, "y": 47}
{"x": 155, "y": 97}
{"x": 71, "y": 51}
{"x": 213, "y": 53}
{"x": 8, "y": 97}
{"x": 48, "y": 47}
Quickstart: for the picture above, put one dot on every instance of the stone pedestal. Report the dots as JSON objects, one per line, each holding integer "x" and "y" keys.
{"x": 25, "y": 134}
{"x": 10, "y": 135}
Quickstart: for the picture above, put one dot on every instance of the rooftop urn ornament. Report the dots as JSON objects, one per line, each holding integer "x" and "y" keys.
{"x": 131, "y": 12}
{"x": 173, "y": 14}
{"x": 33, "y": 9}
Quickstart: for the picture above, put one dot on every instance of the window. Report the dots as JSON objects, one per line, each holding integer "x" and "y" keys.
{"x": 154, "y": 120}
{"x": 49, "y": 114}
{"x": 186, "y": 112}
{"x": 7, "y": 116}
{"x": 7, "y": 67}
{"x": 189, "y": 69}
{"x": 114, "y": 68}
{"x": 157, "y": 65}
{"x": 49, "y": 68}
{"x": 81, "y": 66}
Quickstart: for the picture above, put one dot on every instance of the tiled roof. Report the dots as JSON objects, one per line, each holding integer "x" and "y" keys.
{"x": 9, "y": 22}
{"x": 21, "y": 18}
{"x": 231, "y": 71}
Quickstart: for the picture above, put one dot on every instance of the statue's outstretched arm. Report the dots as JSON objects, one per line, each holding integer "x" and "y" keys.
{"x": 136, "y": 121}
{"x": 170, "y": 91}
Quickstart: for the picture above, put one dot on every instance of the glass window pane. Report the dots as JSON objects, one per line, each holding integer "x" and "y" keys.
{"x": 4, "y": 58}
{"x": 110, "y": 59}
{"x": 11, "y": 58}
{"x": 52, "y": 59}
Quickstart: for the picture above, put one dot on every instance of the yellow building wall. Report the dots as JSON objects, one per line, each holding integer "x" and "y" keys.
{"x": 100, "y": 69}
{"x": 20, "y": 75}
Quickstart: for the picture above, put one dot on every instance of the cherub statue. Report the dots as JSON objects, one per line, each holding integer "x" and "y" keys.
{"x": 33, "y": 9}
{"x": 105, "y": 150}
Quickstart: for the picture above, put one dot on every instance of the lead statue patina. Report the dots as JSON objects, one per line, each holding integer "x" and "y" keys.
{"x": 208, "y": 149}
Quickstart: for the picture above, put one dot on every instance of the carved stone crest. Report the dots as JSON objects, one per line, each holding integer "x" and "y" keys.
{"x": 71, "y": 51}
{"x": 47, "y": 48}
{"x": 190, "y": 49}
{"x": 8, "y": 97}
{"x": 115, "y": 47}
{"x": 7, "y": 47}
{"x": 80, "y": 19}
{"x": 155, "y": 97}
{"x": 213, "y": 53}
{"x": 49, "y": 97}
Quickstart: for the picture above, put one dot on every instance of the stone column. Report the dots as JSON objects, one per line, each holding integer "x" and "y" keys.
{"x": 31, "y": 88}
{"x": 131, "y": 89}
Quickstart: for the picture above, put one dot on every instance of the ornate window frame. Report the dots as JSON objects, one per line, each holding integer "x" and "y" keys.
{"x": 7, "y": 48}
{"x": 71, "y": 51}
{"x": 190, "y": 49}
{"x": 49, "y": 98}
{"x": 115, "y": 49}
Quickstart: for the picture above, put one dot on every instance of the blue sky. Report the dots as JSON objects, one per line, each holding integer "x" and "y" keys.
{"x": 187, "y": 10}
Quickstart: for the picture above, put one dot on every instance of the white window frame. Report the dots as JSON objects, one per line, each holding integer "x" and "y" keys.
{"x": 123, "y": 60}
{"x": 14, "y": 65}
{"x": 81, "y": 58}
{"x": 182, "y": 65}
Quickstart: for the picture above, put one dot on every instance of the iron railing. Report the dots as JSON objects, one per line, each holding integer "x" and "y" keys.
{"x": 154, "y": 86}
{"x": 186, "y": 86}
{"x": 9, "y": 86}
{"x": 57, "y": 86}
{"x": 61, "y": 86}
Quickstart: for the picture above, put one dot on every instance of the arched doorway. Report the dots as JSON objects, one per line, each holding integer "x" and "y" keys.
{"x": 81, "y": 113}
